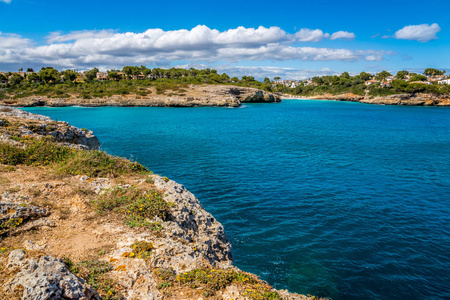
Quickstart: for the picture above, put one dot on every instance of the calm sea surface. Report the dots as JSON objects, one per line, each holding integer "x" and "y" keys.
{"x": 344, "y": 200}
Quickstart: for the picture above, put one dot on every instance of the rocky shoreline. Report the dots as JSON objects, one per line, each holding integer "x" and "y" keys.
{"x": 419, "y": 99}
{"x": 193, "y": 96}
{"x": 55, "y": 242}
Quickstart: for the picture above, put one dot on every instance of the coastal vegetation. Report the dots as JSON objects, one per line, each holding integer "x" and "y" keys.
{"x": 136, "y": 206}
{"x": 143, "y": 82}
{"x": 213, "y": 280}
{"x": 65, "y": 160}
{"x": 139, "y": 81}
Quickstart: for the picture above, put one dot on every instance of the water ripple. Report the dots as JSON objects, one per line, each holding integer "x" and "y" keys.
{"x": 342, "y": 200}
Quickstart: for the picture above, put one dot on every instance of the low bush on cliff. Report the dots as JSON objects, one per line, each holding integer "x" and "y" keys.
{"x": 66, "y": 160}
{"x": 141, "y": 249}
{"x": 136, "y": 206}
{"x": 98, "y": 163}
{"x": 95, "y": 272}
{"x": 212, "y": 280}
{"x": 2, "y": 95}
{"x": 34, "y": 152}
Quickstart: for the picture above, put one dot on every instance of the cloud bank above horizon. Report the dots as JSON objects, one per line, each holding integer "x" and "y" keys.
{"x": 89, "y": 48}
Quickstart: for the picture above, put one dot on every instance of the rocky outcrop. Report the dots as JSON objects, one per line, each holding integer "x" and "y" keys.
{"x": 13, "y": 214}
{"x": 79, "y": 223}
{"x": 192, "y": 96}
{"x": 23, "y": 123}
{"x": 190, "y": 222}
{"x": 418, "y": 99}
{"x": 251, "y": 95}
{"x": 46, "y": 278}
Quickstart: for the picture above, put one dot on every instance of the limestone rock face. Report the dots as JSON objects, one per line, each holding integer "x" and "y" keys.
{"x": 251, "y": 95}
{"x": 38, "y": 125}
{"x": 134, "y": 275}
{"x": 190, "y": 221}
{"x": 9, "y": 210}
{"x": 191, "y": 238}
{"x": 418, "y": 99}
{"x": 46, "y": 278}
{"x": 13, "y": 214}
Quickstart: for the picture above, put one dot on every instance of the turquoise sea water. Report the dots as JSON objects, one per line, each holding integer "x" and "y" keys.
{"x": 344, "y": 200}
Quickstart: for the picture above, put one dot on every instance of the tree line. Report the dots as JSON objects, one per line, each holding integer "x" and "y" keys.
{"x": 134, "y": 79}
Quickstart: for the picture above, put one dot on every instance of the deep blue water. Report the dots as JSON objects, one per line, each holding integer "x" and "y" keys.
{"x": 344, "y": 200}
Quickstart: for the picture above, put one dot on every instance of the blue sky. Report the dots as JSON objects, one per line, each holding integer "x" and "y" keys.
{"x": 261, "y": 38}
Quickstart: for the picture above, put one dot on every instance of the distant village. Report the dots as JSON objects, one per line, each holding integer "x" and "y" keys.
{"x": 430, "y": 79}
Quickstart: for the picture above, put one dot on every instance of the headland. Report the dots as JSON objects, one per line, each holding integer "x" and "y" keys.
{"x": 77, "y": 223}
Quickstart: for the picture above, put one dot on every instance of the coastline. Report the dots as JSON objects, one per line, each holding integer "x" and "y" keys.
{"x": 193, "y": 96}
{"x": 190, "y": 240}
{"x": 419, "y": 99}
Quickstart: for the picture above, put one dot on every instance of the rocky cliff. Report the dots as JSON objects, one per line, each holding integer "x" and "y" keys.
{"x": 418, "y": 99}
{"x": 194, "y": 95}
{"x": 17, "y": 122}
{"x": 80, "y": 224}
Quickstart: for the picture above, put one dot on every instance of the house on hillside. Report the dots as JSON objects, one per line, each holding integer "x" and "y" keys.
{"x": 102, "y": 76}
{"x": 80, "y": 78}
{"x": 437, "y": 78}
{"x": 445, "y": 81}
{"x": 371, "y": 82}
{"x": 138, "y": 76}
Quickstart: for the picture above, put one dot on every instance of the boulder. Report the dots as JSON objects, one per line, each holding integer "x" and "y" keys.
{"x": 46, "y": 278}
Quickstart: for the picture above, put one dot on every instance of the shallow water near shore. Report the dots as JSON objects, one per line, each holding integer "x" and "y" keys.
{"x": 336, "y": 199}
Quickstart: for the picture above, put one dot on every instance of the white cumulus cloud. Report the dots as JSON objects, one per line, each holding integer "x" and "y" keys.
{"x": 156, "y": 46}
{"x": 343, "y": 35}
{"x": 309, "y": 35}
{"x": 13, "y": 41}
{"x": 6, "y": 1}
{"x": 422, "y": 33}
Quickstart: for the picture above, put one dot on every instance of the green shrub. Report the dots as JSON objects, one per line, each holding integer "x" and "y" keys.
{"x": 211, "y": 280}
{"x": 95, "y": 272}
{"x": 3, "y": 95}
{"x": 141, "y": 249}
{"x": 137, "y": 206}
{"x": 96, "y": 163}
{"x": 67, "y": 160}
{"x": 35, "y": 152}
{"x": 86, "y": 95}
